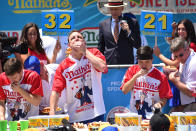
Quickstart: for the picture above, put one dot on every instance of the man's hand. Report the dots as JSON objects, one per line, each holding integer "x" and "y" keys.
{"x": 173, "y": 76}
{"x": 124, "y": 25}
{"x": 161, "y": 103}
{"x": 142, "y": 72}
{"x": 157, "y": 105}
{"x": 2, "y": 109}
{"x": 15, "y": 86}
{"x": 52, "y": 112}
{"x": 79, "y": 47}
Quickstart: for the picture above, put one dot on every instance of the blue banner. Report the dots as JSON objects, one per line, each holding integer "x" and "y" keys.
{"x": 88, "y": 14}
{"x": 57, "y": 23}
{"x": 114, "y": 99}
{"x": 156, "y": 23}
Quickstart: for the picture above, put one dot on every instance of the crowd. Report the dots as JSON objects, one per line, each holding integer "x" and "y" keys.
{"x": 30, "y": 82}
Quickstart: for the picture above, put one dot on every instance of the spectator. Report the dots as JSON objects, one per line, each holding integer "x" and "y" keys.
{"x": 161, "y": 122}
{"x": 185, "y": 29}
{"x": 80, "y": 73}
{"x": 5, "y": 51}
{"x": 31, "y": 35}
{"x": 49, "y": 43}
{"x": 47, "y": 75}
{"x": 20, "y": 92}
{"x": 149, "y": 87}
{"x": 186, "y": 80}
{"x": 118, "y": 35}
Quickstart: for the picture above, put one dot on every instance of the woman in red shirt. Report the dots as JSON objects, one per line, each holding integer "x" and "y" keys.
{"x": 31, "y": 35}
{"x": 185, "y": 29}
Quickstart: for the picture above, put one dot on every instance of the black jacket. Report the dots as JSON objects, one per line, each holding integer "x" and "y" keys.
{"x": 122, "y": 51}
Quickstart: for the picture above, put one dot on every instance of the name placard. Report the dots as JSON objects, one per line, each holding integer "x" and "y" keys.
{"x": 156, "y": 23}
{"x": 57, "y": 23}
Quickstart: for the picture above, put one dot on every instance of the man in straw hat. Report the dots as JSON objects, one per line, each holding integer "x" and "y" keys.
{"x": 118, "y": 34}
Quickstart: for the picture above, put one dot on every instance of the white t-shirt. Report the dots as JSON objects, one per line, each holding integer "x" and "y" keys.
{"x": 147, "y": 91}
{"x": 49, "y": 43}
{"x": 17, "y": 107}
{"x": 188, "y": 77}
{"x": 47, "y": 88}
{"x": 84, "y": 99}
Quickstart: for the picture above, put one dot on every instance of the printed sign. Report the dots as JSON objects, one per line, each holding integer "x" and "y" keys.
{"x": 156, "y": 23}
{"x": 57, "y": 22}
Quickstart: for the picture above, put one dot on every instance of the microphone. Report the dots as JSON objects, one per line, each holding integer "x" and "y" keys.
{"x": 129, "y": 15}
{"x": 121, "y": 20}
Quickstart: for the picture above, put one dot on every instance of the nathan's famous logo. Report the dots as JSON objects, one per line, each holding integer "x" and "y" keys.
{"x": 36, "y": 6}
{"x": 78, "y": 72}
{"x": 88, "y": 2}
{"x": 91, "y": 36}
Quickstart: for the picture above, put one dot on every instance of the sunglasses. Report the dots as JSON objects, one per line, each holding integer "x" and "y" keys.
{"x": 180, "y": 55}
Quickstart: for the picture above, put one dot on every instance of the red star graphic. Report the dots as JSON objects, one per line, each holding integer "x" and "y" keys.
{"x": 72, "y": 88}
{"x": 75, "y": 82}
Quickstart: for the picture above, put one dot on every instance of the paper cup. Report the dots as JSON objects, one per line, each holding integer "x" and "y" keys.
{"x": 24, "y": 124}
{"x": 129, "y": 128}
{"x": 47, "y": 121}
{"x": 192, "y": 117}
{"x": 13, "y": 125}
{"x": 3, "y": 125}
{"x": 127, "y": 119}
{"x": 192, "y": 127}
{"x": 182, "y": 127}
{"x": 179, "y": 118}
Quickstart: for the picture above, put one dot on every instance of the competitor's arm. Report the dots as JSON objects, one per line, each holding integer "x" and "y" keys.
{"x": 54, "y": 97}
{"x": 31, "y": 98}
{"x": 128, "y": 86}
{"x": 97, "y": 62}
{"x": 2, "y": 109}
{"x": 160, "y": 103}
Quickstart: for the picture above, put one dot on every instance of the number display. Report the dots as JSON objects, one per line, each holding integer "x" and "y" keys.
{"x": 57, "y": 22}
{"x": 164, "y": 22}
{"x": 148, "y": 24}
{"x": 156, "y": 23}
{"x": 64, "y": 24}
{"x": 51, "y": 18}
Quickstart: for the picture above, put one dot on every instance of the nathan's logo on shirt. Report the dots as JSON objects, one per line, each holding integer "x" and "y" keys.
{"x": 146, "y": 85}
{"x": 85, "y": 108}
{"x": 78, "y": 72}
{"x": 10, "y": 93}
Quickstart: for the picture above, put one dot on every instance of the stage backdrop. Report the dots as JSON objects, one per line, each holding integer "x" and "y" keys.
{"x": 87, "y": 15}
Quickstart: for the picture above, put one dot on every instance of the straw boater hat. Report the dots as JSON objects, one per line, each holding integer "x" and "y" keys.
{"x": 103, "y": 5}
{"x": 115, "y": 3}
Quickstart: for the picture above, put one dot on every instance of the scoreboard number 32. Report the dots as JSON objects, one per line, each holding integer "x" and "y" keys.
{"x": 63, "y": 25}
